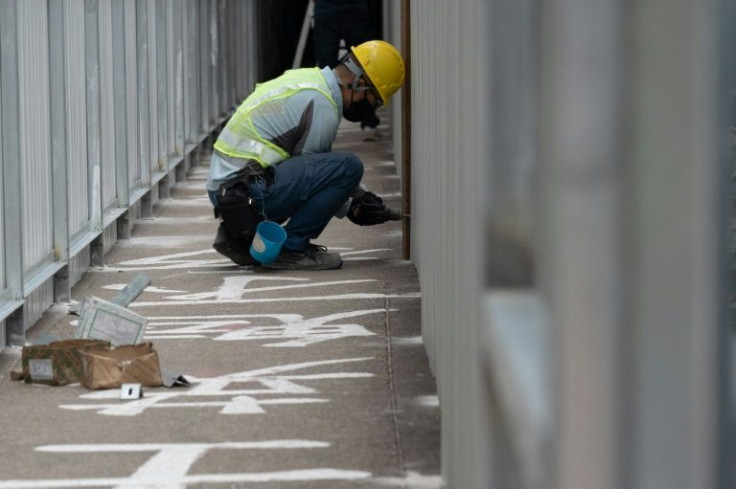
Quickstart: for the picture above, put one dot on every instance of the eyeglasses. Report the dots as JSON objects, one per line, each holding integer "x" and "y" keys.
{"x": 379, "y": 100}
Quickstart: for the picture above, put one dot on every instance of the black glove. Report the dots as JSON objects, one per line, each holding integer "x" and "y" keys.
{"x": 368, "y": 209}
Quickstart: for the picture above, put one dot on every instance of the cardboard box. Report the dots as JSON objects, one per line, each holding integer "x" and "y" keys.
{"x": 58, "y": 363}
{"x": 105, "y": 320}
{"x": 109, "y": 369}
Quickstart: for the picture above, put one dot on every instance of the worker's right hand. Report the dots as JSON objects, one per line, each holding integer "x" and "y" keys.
{"x": 368, "y": 209}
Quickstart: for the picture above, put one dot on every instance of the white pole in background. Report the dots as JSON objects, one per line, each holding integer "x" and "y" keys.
{"x": 303, "y": 37}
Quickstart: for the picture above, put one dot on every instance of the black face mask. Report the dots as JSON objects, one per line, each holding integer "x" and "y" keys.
{"x": 358, "y": 111}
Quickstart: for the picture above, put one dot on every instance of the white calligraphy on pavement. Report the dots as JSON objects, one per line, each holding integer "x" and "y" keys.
{"x": 195, "y": 259}
{"x": 237, "y": 286}
{"x": 289, "y": 330}
{"x": 168, "y": 467}
{"x": 260, "y": 382}
{"x": 186, "y": 260}
{"x": 239, "y": 289}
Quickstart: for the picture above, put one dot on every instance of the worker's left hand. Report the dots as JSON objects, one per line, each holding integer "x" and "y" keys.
{"x": 368, "y": 209}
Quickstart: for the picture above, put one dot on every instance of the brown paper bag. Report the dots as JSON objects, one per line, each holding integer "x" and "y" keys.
{"x": 58, "y": 363}
{"x": 109, "y": 369}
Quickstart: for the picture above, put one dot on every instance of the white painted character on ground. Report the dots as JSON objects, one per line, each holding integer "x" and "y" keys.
{"x": 290, "y": 330}
{"x": 215, "y": 392}
{"x": 168, "y": 467}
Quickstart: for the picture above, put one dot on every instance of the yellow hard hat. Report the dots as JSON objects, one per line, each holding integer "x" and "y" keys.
{"x": 383, "y": 66}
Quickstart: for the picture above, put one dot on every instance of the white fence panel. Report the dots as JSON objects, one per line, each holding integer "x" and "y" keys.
{"x": 159, "y": 79}
{"x": 108, "y": 156}
{"x": 191, "y": 73}
{"x": 176, "y": 78}
{"x": 3, "y": 283}
{"x": 76, "y": 114}
{"x": 100, "y": 101}
{"x": 35, "y": 132}
{"x": 146, "y": 150}
{"x": 135, "y": 172}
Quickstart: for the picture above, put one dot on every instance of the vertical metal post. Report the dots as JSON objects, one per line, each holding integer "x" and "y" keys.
{"x": 205, "y": 107}
{"x": 94, "y": 134}
{"x": 675, "y": 163}
{"x": 171, "y": 80}
{"x": 59, "y": 138}
{"x": 215, "y": 55}
{"x": 187, "y": 86}
{"x": 147, "y": 206}
{"x": 177, "y": 26}
{"x": 146, "y": 144}
{"x": 161, "y": 73}
{"x": 581, "y": 268}
{"x": 164, "y": 188}
{"x": 153, "y": 87}
{"x": 406, "y": 129}
{"x": 13, "y": 203}
{"x": 181, "y": 171}
{"x": 106, "y": 179}
{"x": 134, "y": 161}
{"x": 97, "y": 251}
{"x": 122, "y": 165}
{"x": 726, "y": 366}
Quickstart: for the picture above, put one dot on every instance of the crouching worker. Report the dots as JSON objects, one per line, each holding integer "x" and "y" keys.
{"x": 273, "y": 159}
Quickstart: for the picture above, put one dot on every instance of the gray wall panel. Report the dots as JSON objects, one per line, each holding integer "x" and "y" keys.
{"x": 162, "y": 83}
{"x": 107, "y": 105}
{"x": 145, "y": 150}
{"x": 35, "y": 151}
{"x": 93, "y": 92}
{"x": 176, "y": 85}
{"x": 205, "y": 63}
{"x": 153, "y": 86}
{"x": 192, "y": 79}
{"x": 76, "y": 107}
{"x": 120, "y": 178}
{"x": 132, "y": 95}
{"x": 2, "y": 199}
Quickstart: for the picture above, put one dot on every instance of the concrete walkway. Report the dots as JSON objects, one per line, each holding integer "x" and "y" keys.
{"x": 299, "y": 379}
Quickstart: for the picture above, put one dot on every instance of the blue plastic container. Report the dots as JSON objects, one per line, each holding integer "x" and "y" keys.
{"x": 268, "y": 241}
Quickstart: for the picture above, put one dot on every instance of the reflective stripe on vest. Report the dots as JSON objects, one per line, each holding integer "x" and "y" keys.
{"x": 278, "y": 91}
{"x": 262, "y": 153}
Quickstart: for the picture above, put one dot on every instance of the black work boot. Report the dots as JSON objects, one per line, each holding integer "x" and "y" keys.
{"x": 314, "y": 257}
{"x": 225, "y": 245}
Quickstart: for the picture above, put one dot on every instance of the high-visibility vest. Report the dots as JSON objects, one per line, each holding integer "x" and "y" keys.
{"x": 240, "y": 139}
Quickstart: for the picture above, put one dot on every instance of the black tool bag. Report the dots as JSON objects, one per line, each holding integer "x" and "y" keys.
{"x": 237, "y": 209}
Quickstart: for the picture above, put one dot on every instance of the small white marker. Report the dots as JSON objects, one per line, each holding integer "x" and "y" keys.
{"x": 130, "y": 391}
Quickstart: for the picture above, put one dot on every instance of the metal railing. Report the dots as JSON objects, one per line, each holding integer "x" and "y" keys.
{"x": 104, "y": 105}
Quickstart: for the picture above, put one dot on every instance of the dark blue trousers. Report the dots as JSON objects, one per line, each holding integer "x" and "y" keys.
{"x": 307, "y": 190}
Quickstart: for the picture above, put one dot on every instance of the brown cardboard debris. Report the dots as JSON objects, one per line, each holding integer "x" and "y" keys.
{"x": 109, "y": 369}
{"x": 16, "y": 373}
{"x": 58, "y": 363}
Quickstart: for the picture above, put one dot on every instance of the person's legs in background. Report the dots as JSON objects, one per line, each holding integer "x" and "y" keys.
{"x": 356, "y": 28}
{"x": 326, "y": 38}
{"x": 351, "y": 21}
